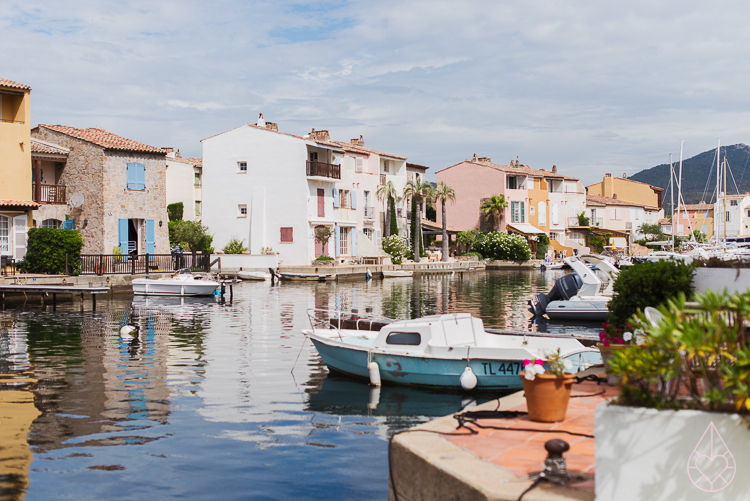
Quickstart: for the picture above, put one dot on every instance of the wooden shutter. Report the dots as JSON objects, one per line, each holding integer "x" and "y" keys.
{"x": 354, "y": 240}
{"x": 19, "y": 236}
{"x": 321, "y": 202}
{"x": 287, "y": 234}
{"x": 150, "y": 237}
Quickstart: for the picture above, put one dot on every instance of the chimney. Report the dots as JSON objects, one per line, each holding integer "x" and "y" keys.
{"x": 554, "y": 169}
{"x": 608, "y": 174}
{"x": 272, "y": 126}
{"x": 624, "y": 175}
{"x": 320, "y": 135}
{"x": 358, "y": 142}
{"x": 614, "y": 195}
{"x": 168, "y": 149}
{"x": 177, "y": 153}
{"x": 475, "y": 158}
{"x": 486, "y": 160}
{"x": 261, "y": 121}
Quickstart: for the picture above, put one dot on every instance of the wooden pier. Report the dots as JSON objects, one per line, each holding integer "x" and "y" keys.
{"x": 46, "y": 290}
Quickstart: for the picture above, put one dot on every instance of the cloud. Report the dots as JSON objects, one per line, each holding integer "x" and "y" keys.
{"x": 590, "y": 87}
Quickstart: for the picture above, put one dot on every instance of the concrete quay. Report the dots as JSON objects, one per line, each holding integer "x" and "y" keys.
{"x": 359, "y": 271}
{"x": 437, "y": 460}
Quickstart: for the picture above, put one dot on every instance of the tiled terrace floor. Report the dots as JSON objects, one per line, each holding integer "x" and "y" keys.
{"x": 522, "y": 452}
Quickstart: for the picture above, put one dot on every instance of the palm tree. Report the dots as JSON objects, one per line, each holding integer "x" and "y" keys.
{"x": 494, "y": 208}
{"x": 419, "y": 191}
{"x": 385, "y": 193}
{"x": 443, "y": 194}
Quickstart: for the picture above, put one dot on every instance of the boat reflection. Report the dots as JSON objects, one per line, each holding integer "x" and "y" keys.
{"x": 340, "y": 395}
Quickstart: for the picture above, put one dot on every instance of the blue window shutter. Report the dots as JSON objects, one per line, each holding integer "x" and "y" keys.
{"x": 354, "y": 200}
{"x": 354, "y": 240}
{"x": 141, "y": 177}
{"x": 136, "y": 177}
{"x": 68, "y": 224}
{"x": 337, "y": 242}
{"x": 336, "y": 200}
{"x": 122, "y": 235}
{"x": 132, "y": 179}
{"x": 150, "y": 237}
{"x": 523, "y": 213}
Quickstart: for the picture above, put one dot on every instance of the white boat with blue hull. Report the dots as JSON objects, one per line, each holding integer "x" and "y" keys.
{"x": 435, "y": 350}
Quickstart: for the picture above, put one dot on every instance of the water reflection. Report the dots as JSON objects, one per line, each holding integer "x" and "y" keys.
{"x": 205, "y": 400}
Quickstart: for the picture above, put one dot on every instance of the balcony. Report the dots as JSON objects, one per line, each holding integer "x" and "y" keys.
{"x": 48, "y": 193}
{"x": 597, "y": 222}
{"x": 322, "y": 169}
{"x": 573, "y": 221}
{"x": 369, "y": 212}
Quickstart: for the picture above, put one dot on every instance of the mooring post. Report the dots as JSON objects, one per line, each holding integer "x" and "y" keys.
{"x": 93, "y": 300}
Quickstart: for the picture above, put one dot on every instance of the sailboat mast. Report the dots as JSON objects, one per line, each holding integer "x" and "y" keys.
{"x": 679, "y": 189}
{"x": 718, "y": 184}
{"x": 724, "y": 216}
{"x": 671, "y": 194}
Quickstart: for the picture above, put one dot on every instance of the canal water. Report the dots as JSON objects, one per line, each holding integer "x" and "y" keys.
{"x": 219, "y": 400}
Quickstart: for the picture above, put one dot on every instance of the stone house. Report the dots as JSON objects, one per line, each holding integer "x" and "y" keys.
{"x": 115, "y": 189}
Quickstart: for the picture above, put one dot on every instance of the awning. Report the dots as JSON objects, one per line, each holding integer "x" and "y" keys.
{"x": 525, "y": 228}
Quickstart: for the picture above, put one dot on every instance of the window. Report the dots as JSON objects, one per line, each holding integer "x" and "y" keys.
{"x": 344, "y": 237}
{"x": 554, "y": 236}
{"x": 369, "y": 233}
{"x": 242, "y": 210}
{"x": 728, "y": 216}
{"x": 198, "y": 178}
{"x": 136, "y": 177}
{"x": 705, "y": 213}
{"x": 531, "y": 210}
{"x": 198, "y": 208}
{"x": 404, "y": 338}
{"x": 385, "y": 165}
{"x": 358, "y": 164}
{"x": 287, "y": 235}
{"x": 4, "y": 235}
{"x": 242, "y": 167}
{"x": 52, "y": 223}
{"x": 517, "y": 212}
{"x": 345, "y": 198}
{"x": 511, "y": 182}
{"x": 733, "y": 203}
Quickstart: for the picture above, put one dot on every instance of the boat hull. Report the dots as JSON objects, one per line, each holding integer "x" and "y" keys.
{"x": 397, "y": 273}
{"x": 492, "y": 374}
{"x": 254, "y": 275}
{"x": 577, "y": 310}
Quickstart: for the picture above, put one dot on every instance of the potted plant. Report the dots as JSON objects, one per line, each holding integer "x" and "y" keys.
{"x": 678, "y": 428}
{"x": 546, "y": 386}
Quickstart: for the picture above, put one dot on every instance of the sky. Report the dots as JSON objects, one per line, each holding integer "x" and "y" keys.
{"x": 592, "y": 87}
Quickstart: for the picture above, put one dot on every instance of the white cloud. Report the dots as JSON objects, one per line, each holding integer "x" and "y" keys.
{"x": 591, "y": 87}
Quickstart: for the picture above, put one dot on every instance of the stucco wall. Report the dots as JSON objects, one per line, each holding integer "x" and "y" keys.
{"x": 180, "y": 185}
{"x": 472, "y": 183}
{"x": 15, "y": 146}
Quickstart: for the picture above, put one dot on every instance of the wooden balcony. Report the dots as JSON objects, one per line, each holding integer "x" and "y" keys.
{"x": 322, "y": 169}
{"x": 48, "y": 193}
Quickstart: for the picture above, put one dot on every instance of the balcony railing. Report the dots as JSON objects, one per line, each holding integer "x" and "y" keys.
{"x": 48, "y": 193}
{"x": 573, "y": 221}
{"x": 369, "y": 212}
{"x": 322, "y": 169}
{"x": 597, "y": 222}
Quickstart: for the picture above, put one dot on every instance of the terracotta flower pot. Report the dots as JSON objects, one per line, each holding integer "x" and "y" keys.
{"x": 547, "y": 396}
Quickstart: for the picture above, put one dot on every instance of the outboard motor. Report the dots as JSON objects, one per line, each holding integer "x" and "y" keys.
{"x": 565, "y": 288}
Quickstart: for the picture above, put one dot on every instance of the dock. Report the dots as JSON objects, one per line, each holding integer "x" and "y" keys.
{"x": 46, "y": 290}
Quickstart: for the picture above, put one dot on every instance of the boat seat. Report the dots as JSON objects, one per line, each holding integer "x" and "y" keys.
{"x": 358, "y": 324}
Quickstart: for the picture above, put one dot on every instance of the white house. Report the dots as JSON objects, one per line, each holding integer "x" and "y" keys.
{"x": 733, "y": 216}
{"x": 273, "y": 189}
{"x": 184, "y": 184}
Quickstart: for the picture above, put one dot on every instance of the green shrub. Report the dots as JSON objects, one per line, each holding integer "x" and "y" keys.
{"x": 195, "y": 235}
{"x": 597, "y": 242}
{"x": 235, "y": 246}
{"x": 478, "y": 255}
{"x": 324, "y": 258}
{"x": 46, "y": 249}
{"x": 647, "y": 284}
{"x": 502, "y": 246}
{"x": 175, "y": 211}
{"x": 542, "y": 246}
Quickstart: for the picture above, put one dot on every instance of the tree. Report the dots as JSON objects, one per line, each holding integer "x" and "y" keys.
{"x": 195, "y": 235}
{"x": 652, "y": 231}
{"x": 174, "y": 211}
{"x": 699, "y": 237}
{"x": 322, "y": 235}
{"x": 386, "y": 194}
{"x": 494, "y": 208}
{"x": 393, "y": 222}
{"x": 443, "y": 194}
{"x": 418, "y": 191}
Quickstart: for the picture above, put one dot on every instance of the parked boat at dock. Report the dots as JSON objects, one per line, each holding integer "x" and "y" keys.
{"x": 397, "y": 273}
{"x": 434, "y": 350}
{"x": 254, "y": 275}
{"x": 581, "y": 295}
{"x": 308, "y": 277}
{"x": 184, "y": 283}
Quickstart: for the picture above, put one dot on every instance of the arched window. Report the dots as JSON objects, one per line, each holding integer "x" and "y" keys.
{"x": 55, "y": 224}
{"x": 4, "y": 235}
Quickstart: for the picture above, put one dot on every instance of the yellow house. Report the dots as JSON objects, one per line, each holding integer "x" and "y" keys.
{"x": 16, "y": 203}
{"x": 624, "y": 189}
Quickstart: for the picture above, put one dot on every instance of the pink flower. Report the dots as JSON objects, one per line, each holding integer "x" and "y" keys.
{"x": 620, "y": 341}
{"x": 605, "y": 342}
{"x": 527, "y": 362}
{"x": 539, "y": 361}
{"x": 602, "y": 336}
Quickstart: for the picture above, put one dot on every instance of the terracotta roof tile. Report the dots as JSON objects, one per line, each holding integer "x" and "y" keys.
{"x": 105, "y": 139}
{"x": 196, "y": 161}
{"x": 39, "y": 146}
{"x": 18, "y": 203}
{"x": 12, "y": 84}
{"x": 699, "y": 206}
{"x": 416, "y": 166}
{"x": 597, "y": 199}
{"x": 355, "y": 148}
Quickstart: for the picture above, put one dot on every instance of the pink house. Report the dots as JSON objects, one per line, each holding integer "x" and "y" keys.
{"x": 477, "y": 179}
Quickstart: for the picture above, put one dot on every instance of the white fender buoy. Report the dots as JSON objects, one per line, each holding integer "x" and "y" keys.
{"x": 128, "y": 331}
{"x": 374, "y": 370}
{"x": 368, "y": 274}
{"x": 468, "y": 379}
{"x": 372, "y": 404}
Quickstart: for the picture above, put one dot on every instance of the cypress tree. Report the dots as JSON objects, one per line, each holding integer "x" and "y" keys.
{"x": 393, "y": 223}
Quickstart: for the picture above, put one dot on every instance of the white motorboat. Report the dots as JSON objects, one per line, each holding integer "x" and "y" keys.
{"x": 308, "y": 277}
{"x": 397, "y": 273}
{"x": 450, "y": 351}
{"x": 253, "y": 275}
{"x": 184, "y": 283}
{"x": 581, "y": 295}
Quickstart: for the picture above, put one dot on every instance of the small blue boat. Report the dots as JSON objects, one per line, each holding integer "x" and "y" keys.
{"x": 435, "y": 351}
